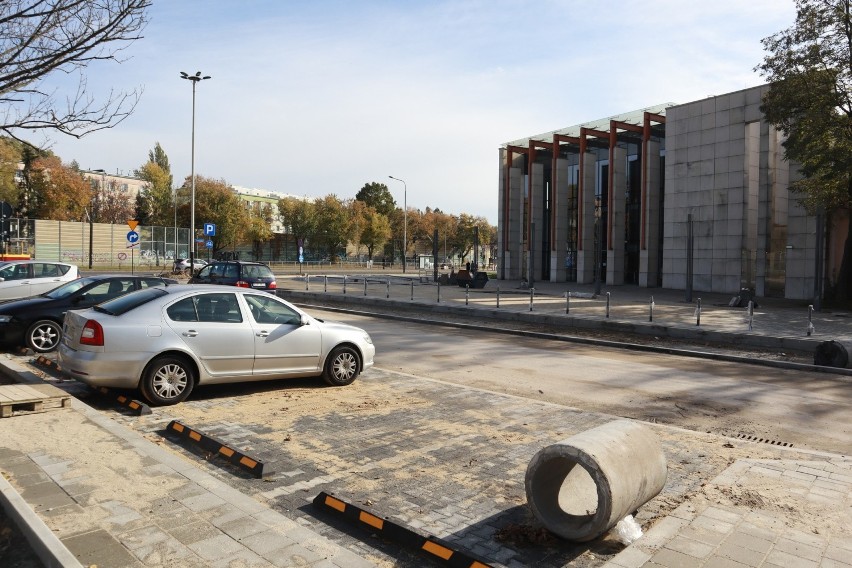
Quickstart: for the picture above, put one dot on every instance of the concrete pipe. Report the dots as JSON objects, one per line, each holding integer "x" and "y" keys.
{"x": 621, "y": 467}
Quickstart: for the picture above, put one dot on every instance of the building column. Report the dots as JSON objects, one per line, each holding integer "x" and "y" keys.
{"x": 617, "y": 205}
{"x": 559, "y": 231}
{"x": 586, "y": 210}
{"x": 650, "y": 244}
{"x": 536, "y": 217}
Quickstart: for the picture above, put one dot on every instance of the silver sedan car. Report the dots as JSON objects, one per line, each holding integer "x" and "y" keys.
{"x": 164, "y": 341}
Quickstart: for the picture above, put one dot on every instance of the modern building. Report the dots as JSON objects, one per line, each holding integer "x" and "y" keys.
{"x": 675, "y": 196}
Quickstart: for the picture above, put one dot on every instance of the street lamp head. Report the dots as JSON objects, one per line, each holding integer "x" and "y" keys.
{"x": 194, "y": 78}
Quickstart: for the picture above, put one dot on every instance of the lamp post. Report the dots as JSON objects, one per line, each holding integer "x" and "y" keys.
{"x": 194, "y": 79}
{"x": 92, "y": 214}
{"x": 404, "y": 219}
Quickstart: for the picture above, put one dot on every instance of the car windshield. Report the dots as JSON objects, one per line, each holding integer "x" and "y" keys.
{"x": 68, "y": 288}
{"x": 123, "y": 304}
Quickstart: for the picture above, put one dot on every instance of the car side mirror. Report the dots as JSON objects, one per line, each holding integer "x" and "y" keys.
{"x": 304, "y": 320}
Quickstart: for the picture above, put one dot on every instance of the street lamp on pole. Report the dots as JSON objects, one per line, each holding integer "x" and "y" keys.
{"x": 195, "y": 79}
{"x": 92, "y": 214}
{"x": 404, "y": 219}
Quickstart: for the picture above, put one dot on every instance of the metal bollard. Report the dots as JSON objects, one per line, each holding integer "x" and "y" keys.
{"x": 307, "y": 279}
{"x": 439, "y": 292}
{"x": 750, "y": 314}
{"x": 412, "y": 290}
{"x": 698, "y": 313}
{"x": 607, "y": 305}
{"x": 532, "y": 294}
{"x": 810, "y": 320}
{"x": 498, "y": 295}
{"x": 651, "y": 310}
{"x": 365, "y": 286}
{"x": 325, "y": 283}
{"x": 466, "y": 294}
{"x": 567, "y": 301}
{"x": 344, "y": 284}
{"x": 387, "y": 288}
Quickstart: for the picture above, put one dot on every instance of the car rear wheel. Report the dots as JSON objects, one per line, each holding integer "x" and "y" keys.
{"x": 167, "y": 380}
{"x": 342, "y": 367}
{"x": 44, "y": 336}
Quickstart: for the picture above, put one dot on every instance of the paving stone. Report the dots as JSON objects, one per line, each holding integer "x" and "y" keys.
{"x": 98, "y": 547}
{"x": 690, "y": 547}
{"x": 216, "y": 547}
{"x": 740, "y": 554}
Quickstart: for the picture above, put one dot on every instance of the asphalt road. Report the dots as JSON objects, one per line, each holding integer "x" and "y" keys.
{"x": 803, "y": 409}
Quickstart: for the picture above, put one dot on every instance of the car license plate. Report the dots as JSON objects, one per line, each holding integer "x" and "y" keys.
{"x": 259, "y": 284}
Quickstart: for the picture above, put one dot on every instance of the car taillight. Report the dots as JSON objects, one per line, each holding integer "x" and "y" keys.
{"x": 242, "y": 284}
{"x": 273, "y": 285}
{"x": 93, "y": 334}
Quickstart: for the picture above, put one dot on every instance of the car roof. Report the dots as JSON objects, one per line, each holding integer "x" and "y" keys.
{"x": 239, "y": 262}
{"x": 34, "y": 260}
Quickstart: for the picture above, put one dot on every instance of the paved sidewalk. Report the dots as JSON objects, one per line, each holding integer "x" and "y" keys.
{"x": 116, "y": 499}
{"x": 774, "y": 323}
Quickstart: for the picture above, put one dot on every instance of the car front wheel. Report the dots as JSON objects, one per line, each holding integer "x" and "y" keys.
{"x": 342, "y": 367}
{"x": 44, "y": 336}
{"x": 167, "y": 380}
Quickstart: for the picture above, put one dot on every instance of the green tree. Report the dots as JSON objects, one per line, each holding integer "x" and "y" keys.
{"x": 464, "y": 234}
{"x": 809, "y": 68}
{"x": 217, "y": 203}
{"x": 39, "y": 38}
{"x": 369, "y": 227}
{"x": 333, "y": 228}
{"x": 377, "y": 196}
{"x": 259, "y": 229}
{"x": 299, "y": 218}
{"x": 155, "y": 202}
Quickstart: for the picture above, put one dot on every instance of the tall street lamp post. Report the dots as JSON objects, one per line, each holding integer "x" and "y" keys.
{"x": 195, "y": 79}
{"x": 404, "y": 219}
{"x": 92, "y": 214}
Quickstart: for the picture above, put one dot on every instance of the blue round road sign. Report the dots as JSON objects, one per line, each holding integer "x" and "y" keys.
{"x": 132, "y": 237}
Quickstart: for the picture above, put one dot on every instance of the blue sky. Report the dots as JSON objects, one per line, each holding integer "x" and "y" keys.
{"x": 319, "y": 97}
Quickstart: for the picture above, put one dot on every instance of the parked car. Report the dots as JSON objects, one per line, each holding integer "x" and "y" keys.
{"x": 166, "y": 341}
{"x": 36, "y": 322}
{"x": 182, "y": 264}
{"x": 239, "y": 273}
{"x": 22, "y": 278}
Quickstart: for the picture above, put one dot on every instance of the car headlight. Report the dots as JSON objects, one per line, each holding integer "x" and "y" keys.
{"x": 368, "y": 339}
{"x": 5, "y": 318}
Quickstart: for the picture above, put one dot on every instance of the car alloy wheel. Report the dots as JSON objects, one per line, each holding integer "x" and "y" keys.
{"x": 167, "y": 380}
{"x": 44, "y": 336}
{"x": 342, "y": 367}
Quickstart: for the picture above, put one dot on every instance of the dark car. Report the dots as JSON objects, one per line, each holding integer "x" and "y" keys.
{"x": 236, "y": 273}
{"x": 37, "y": 321}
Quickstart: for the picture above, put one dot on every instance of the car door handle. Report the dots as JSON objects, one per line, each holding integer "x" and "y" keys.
{"x": 263, "y": 333}
{"x": 190, "y": 333}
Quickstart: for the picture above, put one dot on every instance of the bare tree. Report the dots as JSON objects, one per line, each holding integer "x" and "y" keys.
{"x": 40, "y": 37}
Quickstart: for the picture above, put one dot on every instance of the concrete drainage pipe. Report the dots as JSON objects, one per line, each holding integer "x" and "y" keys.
{"x": 621, "y": 467}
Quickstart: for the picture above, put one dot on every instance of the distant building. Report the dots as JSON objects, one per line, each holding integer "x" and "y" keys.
{"x": 257, "y": 199}
{"x": 622, "y": 197}
{"x": 125, "y": 185}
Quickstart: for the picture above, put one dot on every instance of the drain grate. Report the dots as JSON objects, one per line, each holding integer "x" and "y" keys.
{"x": 764, "y": 440}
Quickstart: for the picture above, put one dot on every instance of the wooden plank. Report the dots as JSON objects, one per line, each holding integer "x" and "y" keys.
{"x": 19, "y": 393}
{"x": 33, "y": 398}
